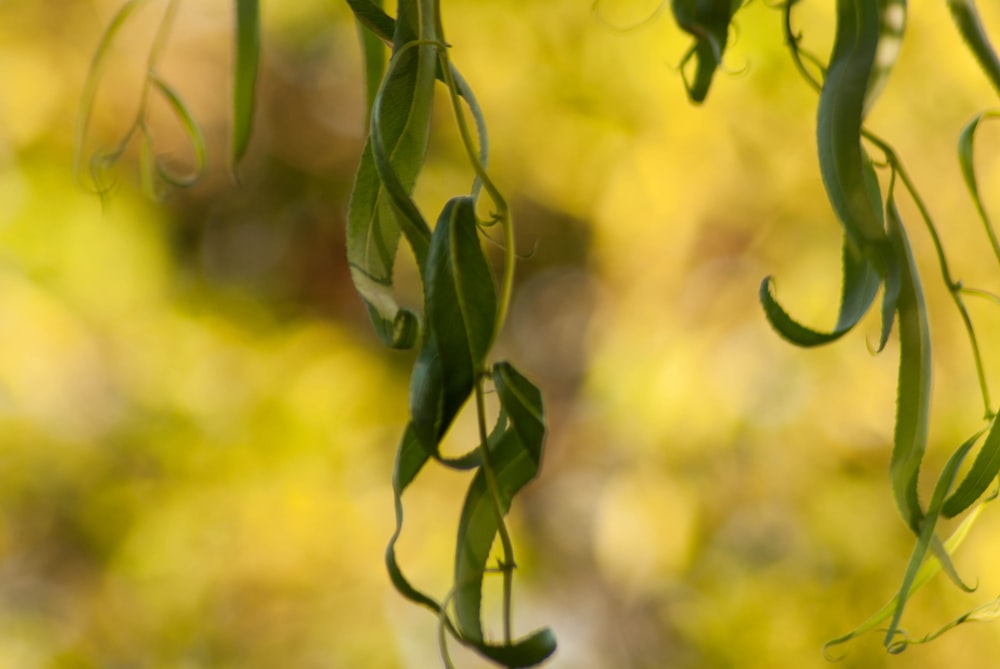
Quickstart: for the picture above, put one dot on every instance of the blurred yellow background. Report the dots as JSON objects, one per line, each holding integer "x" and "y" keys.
{"x": 197, "y": 426}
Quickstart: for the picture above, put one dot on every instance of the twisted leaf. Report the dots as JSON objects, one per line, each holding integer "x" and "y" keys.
{"x": 970, "y": 26}
{"x": 515, "y": 461}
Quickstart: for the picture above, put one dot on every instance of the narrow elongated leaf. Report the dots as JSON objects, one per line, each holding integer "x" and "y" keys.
{"x": 373, "y": 50}
{"x": 192, "y": 131}
{"x": 927, "y": 571}
{"x": 860, "y": 287}
{"x": 515, "y": 461}
{"x": 843, "y": 164}
{"x": 244, "y": 77}
{"x": 914, "y": 387}
{"x": 925, "y": 536}
{"x": 984, "y": 471}
{"x": 970, "y": 26}
{"x": 890, "y": 39}
{"x": 966, "y": 159}
{"x": 93, "y": 77}
{"x": 370, "y": 14}
{"x": 411, "y": 456}
{"x": 460, "y": 301}
{"x": 392, "y": 158}
{"x": 987, "y": 612}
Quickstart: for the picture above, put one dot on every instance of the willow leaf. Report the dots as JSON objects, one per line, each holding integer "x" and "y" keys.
{"x": 914, "y": 385}
{"x": 843, "y": 164}
{"x": 192, "y": 131}
{"x": 860, "y": 286}
{"x": 970, "y": 26}
{"x": 708, "y": 22}
{"x": 925, "y": 537}
{"x": 515, "y": 461}
{"x": 373, "y": 50}
{"x": 966, "y": 159}
{"x": 244, "y": 77}
{"x": 927, "y": 571}
{"x": 400, "y": 126}
{"x": 977, "y": 480}
{"x": 987, "y": 612}
{"x": 411, "y": 456}
{"x": 460, "y": 302}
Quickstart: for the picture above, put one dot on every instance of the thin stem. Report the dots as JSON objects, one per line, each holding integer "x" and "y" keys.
{"x": 508, "y": 565}
{"x": 954, "y": 287}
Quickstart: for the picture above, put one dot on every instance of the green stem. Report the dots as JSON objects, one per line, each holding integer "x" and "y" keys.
{"x": 508, "y": 565}
{"x": 954, "y": 287}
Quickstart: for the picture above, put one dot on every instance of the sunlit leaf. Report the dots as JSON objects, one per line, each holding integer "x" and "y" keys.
{"x": 191, "y": 130}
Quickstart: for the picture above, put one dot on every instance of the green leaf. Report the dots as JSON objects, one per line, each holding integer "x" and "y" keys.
{"x": 925, "y": 536}
{"x": 380, "y": 208}
{"x": 244, "y": 77}
{"x": 514, "y": 460}
{"x": 192, "y": 131}
{"x": 860, "y": 286}
{"x": 410, "y": 459}
{"x": 970, "y": 26}
{"x": 966, "y": 154}
{"x": 984, "y": 471}
{"x": 461, "y": 303}
{"x": 370, "y": 14}
{"x": 845, "y": 167}
{"x": 373, "y": 50}
{"x": 708, "y": 22}
{"x": 914, "y": 387}
{"x": 927, "y": 571}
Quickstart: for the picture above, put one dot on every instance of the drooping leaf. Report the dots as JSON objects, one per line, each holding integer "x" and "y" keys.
{"x": 860, "y": 287}
{"x": 392, "y": 158}
{"x": 244, "y": 77}
{"x": 373, "y": 49}
{"x": 927, "y": 570}
{"x": 970, "y": 26}
{"x": 514, "y": 462}
{"x": 977, "y": 480}
{"x": 914, "y": 386}
{"x": 461, "y": 303}
{"x": 93, "y": 78}
{"x": 844, "y": 166}
{"x": 926, "y": 536}
{"x": 192, "y": 131}
{"x": 966, "y": 159}
{"x": 708, "y": 22}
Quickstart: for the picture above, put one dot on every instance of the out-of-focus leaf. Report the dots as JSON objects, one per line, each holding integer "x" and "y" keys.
{"x": 988, "y": 612}
{"x": 93, "y": 77}
{"x": 192, "y": 131}
{"x": 966, "y": 159}
{"x": 514, "y": 461}
{"x": 380, "y": 208}
{"x": 244, "y": 77}
{"x": 708, "y": 22}
{"x": 970, "y": 26}
{"x": 460, "y": 302}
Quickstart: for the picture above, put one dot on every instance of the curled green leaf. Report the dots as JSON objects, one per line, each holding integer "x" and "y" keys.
{"x": 515, "y": 461}
{"x": 708, "y": 22}
{"x": 983, "y": 472}
{"x": 859, "y": 289}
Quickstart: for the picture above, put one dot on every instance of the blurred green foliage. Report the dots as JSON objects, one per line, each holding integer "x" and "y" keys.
{"x": 196, "y": 427}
